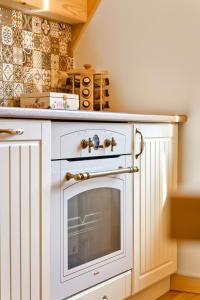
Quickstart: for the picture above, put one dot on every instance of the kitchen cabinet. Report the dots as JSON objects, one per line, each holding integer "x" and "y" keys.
{"x": 155, "y": 255}
{"x": 27, "y": 6}
{"x": 117, "y": 288}
{"x": 68, "y": 11}
{"x": 72, "y": 12}
{"x": 24, "y": 186}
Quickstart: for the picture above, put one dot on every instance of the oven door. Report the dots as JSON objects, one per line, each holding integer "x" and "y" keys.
{"x": 90, "y": 225}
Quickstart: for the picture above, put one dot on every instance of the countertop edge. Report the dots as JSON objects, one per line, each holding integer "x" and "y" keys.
{"x": 47, "y": 114}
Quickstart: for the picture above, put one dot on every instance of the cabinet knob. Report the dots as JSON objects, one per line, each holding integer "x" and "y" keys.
{"x": 105, "y": 298}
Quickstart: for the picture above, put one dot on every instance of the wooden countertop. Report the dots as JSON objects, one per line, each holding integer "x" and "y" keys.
{"x": 48, "y": 114}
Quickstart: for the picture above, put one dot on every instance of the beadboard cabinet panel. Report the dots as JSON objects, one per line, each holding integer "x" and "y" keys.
{"x": 154, "y": 252}
{"x": 20, "y": 220}
{"x": 24, "y": 211}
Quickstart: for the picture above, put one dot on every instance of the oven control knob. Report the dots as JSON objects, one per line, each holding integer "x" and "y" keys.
{"x": 107, "y": 143}
{"x": 112, "y": 143}
{"x": 84, "y": 144}
{"x": 87, "y": 144}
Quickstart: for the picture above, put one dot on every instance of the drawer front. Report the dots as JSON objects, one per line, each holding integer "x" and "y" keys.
{"x": 31, "y": 130}
{"x": 117, "y": 288}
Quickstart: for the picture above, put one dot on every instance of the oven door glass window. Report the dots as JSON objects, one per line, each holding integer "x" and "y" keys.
{"x": 93, "y": 225}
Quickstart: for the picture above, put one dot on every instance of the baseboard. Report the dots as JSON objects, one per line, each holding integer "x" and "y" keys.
{"x": 185, "y": 283}
{"x": 153, "y": 292}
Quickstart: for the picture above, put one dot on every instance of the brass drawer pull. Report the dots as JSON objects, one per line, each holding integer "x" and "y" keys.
{"x": 141, "y": 144}
{"x": 18, "y": 131}
{"x": 87, "y": 175}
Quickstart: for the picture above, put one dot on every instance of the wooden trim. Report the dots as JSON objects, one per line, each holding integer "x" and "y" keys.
{"x": 153, "y": 292}
{"x": 78, "y": 29}
{"x": 185, "y": 283}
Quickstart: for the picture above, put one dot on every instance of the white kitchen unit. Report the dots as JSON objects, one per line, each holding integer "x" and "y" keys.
{"x": 155, "y": 255}
{"x": 24, "y": 186}
{"x": 25, "y": 220}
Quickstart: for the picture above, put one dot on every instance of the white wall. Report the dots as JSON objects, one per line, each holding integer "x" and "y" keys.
{"x": 152, "y": 51}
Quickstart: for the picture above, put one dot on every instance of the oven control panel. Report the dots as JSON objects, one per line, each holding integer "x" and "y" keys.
{"x": 95, "y": 143}
{"x": 74, "y": 140}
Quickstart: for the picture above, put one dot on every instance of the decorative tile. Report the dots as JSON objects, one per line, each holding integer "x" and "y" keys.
{"x": 54, "y": 31}
{"x": 70, "y": 63}
{"x": 6, "y": 16}
{"x": 65, "y": 32}
{"x": 7, "y": 72}
{"x": 37, "y": 59}
{"x": 54, "y": 45}
{"x": 36, "y": 24}
{"x": 18, "y": 75}
{"x": 1, "y": 90}
{"x": 1, "y": 71}
{"x": 34, "y": 54}
{"x": 28, "y": 88}
{"x": 46, "y": 44}
{"x": 7, "y": 52}
{"x": 28, "y": 76}
{"x": 1, "y": 54}
{"x": 27, "y": 22}
{"x": 69, "y": 32}
{"x": 18, "y": 89}
{"x": 37, "y": 41}
{"x": 46, "y": 78}
{"x": 18, "y": 57}
{"x": 17, "y": 37}
{"x": 27, "y": 39}
{"x": 37, "y": 77}
{"x": 28, "y": 58}
{"x": 17, "y": 19}
{"x": 63, "y": 63}
{"x": 7, "y": 35}
{"x": 63, "y": 47}
{"x": 46, "y": 61}
{"x": 45, "y": 27}
{"x": 8, "y": 90}
{"x": 54, "y": 78}
{"x": 54, "y": 62}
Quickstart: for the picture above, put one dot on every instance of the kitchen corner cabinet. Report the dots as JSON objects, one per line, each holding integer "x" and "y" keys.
{"x": 25, "y": 191}
{"x": 155, "y": 255}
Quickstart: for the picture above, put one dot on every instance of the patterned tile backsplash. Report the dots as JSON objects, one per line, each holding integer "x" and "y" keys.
{"x": 34, "y": 54}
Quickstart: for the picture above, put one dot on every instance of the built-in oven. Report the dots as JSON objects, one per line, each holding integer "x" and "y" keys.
{"x": 91, "y": 205}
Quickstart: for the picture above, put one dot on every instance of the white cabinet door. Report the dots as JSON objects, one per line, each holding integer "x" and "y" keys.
{"x": 22, "y": 202}
{"x": 154, "y": 252}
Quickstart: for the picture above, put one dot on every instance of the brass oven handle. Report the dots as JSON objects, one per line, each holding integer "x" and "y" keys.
{"x": 17, "y": 131}
{"x": 141, "y": 144}
{"x": 87, "y": 175}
